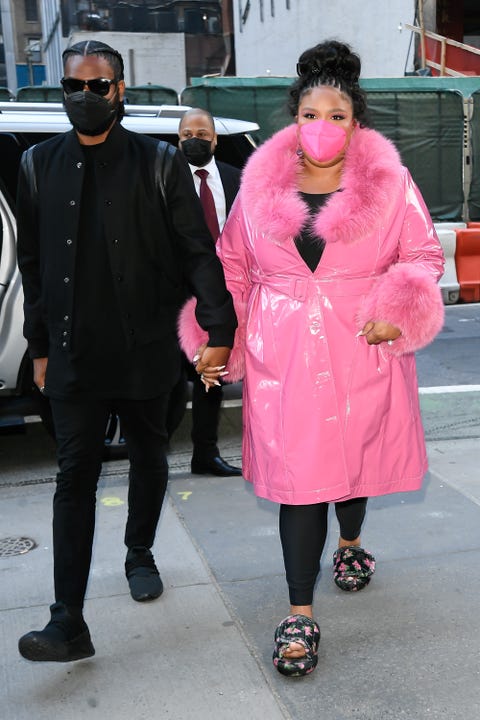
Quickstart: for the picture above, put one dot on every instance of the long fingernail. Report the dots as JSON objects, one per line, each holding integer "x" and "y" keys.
{"x": 215, "y": 382}
{"x": 220, "y": 367}
{"x": 360, "y": 332}
{"x": 225, "y": 372}
{"x": 196, "y": 358}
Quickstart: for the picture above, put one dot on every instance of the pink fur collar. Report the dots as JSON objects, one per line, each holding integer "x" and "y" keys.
{"x": 370, "y": 180}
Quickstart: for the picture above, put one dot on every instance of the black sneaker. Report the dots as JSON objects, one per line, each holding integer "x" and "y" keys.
{"x": 64, "y": 639}
{"x": 143, "y": 577}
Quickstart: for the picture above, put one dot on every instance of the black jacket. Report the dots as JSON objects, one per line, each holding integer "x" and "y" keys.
{"x": 230, "y": 177}
{"x": 156, "y": 237}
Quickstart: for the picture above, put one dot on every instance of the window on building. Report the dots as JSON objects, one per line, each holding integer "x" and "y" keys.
{"x": 31, "y": 10}
{"x": 261, "y": 10}
{"x": 272, "y": 8}
{"x": 288, "y": 4}
{"x": 33, "y": 50}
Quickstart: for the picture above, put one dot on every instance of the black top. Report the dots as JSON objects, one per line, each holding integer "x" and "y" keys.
{"x": 309, "y": 245}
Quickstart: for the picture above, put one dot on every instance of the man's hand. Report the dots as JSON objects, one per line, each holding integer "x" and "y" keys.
{"x": 378, "y": 332}
{"x": 39, "y": 372}
{"x": 211, "y": 364}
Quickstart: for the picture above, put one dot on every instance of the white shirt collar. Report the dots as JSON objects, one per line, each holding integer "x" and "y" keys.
{"x": 211, "y": 168}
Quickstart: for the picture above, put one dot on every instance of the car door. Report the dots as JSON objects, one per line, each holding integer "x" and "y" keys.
{"x": 12, "y": 343}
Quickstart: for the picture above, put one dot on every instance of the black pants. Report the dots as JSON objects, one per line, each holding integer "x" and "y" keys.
{"x": 80, "y": 429}
{"x": 205, "y": 419}
{"x": 205, "y": 412}
{"x": 303, "y": 531}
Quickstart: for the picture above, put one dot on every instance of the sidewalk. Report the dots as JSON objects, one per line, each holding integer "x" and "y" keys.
{"x": 405, "y": 648}
{"x": 183, "y": 656}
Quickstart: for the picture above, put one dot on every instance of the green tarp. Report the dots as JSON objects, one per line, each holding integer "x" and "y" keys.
{"x": 136, "y": 95}
{"x": 474, "y": 198}
{"x": 427, "y": 129}
{"x": 151, "y": 95}
{"x": 5, "y": 94}
{"x": 265, "y": 104}
{"x": 40, "y": 93}
{"x": 422, "y": 116}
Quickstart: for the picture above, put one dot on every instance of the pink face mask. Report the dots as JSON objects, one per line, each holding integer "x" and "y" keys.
{"x": 322, "y": 140}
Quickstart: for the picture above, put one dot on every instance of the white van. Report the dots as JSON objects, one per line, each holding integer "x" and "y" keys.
{"x": 23, "y": 125}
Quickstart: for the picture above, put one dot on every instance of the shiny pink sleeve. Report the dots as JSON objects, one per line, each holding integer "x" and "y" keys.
{"x": 407, "y": 294}
{"x": 232, "y": 251}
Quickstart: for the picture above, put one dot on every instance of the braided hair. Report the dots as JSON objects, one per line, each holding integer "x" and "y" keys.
{"x": 101, "y": 50}
{"x": 334, "y": 64}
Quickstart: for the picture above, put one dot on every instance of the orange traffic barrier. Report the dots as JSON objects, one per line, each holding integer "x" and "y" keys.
{"x": 467, "y": 261}
{"x": 473, "y": 224}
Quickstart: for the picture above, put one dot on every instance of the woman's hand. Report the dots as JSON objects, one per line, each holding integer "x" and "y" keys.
{"x": 39, "y": 372}
{"x": 378, "y": 332}
{"x": 211, "y": 362}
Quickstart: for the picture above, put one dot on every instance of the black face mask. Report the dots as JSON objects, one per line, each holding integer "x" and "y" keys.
{"x": 90, "y": 114}
{"x": 197, "y": 151}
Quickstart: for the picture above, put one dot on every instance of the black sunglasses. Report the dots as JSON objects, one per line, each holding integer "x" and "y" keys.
{"x": 99, "y": 86}
{"x": 307, "y": 67}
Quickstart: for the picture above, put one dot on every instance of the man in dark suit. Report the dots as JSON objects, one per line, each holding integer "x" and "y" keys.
{"x": 217, "y": 185}
{"x": 108, "y": 228}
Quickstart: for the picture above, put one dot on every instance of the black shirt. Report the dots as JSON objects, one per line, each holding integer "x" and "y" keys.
{"x": 309, "y": 245}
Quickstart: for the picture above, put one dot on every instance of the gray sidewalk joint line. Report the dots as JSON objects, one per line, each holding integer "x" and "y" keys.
{"x": 231, "y": 611}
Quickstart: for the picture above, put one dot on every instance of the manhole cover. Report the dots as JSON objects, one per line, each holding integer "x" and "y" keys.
{"x": 16, "y": 546}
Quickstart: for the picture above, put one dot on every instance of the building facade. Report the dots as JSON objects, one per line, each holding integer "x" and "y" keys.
{"x": 270, "y": 34}
{"x": 169, "y": 42}
{"x": 165, "y": 42}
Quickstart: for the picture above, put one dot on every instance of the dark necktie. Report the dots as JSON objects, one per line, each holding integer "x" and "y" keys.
{"x": 208, "y": 204}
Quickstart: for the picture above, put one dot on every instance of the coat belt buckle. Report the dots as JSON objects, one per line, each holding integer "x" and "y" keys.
{"x": 300, "y": 289}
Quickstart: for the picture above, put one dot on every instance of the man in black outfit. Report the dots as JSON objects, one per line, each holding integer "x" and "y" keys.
{"x": 109, "y": 231}
{"x": 198, "y": 141}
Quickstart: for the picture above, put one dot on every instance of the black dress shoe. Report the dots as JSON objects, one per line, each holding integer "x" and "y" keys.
{"x": 143, "y": 577}
{"x": 64, "y": 639}
{"x": 214, "y": 466}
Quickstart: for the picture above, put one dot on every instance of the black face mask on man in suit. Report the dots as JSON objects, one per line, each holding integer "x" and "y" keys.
{"x": 197, "y": 151}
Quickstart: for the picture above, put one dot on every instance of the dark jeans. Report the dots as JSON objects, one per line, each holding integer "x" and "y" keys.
{"x": 80, "y": 429}
{"x": 303, "y": 531}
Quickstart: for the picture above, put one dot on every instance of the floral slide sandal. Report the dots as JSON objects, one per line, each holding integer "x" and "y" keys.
{"x": 296, "y": 629}
{"x": 352, "y": 568}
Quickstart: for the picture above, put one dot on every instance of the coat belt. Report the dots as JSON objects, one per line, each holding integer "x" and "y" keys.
{"x": 299, "y": 288}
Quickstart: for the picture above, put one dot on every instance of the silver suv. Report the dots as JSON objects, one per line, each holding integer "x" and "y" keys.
{"x": 23, "y": 125}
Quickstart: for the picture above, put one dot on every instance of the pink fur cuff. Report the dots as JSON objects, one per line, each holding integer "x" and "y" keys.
{"x": 191, "y": 336}
{"x": 405, "y": 296}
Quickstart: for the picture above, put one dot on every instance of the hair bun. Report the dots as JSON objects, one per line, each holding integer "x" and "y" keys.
{"x": 331, "y": 59}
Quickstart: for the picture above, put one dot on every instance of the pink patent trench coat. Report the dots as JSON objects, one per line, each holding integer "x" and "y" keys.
{"x": 326, "y": 416}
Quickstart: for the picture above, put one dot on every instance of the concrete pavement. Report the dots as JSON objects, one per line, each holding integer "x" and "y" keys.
{"x": 406, "y": 647}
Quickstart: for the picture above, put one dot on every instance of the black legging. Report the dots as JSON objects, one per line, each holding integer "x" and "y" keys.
{"x": 303, "y": 531}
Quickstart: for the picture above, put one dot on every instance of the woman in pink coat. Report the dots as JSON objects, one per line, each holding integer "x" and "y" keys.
{"x": 332, "y": 261}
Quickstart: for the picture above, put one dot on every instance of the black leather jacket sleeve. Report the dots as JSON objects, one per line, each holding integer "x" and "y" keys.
{"x": 29, "y": 261}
